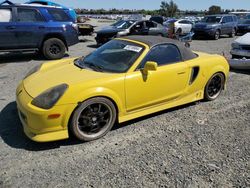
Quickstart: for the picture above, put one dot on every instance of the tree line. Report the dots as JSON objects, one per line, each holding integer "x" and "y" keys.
{"x": 168, "y": 9}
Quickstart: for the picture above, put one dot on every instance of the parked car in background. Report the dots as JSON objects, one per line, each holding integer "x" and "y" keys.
{"x": 70, "y": 11}
{"x": 130, "y": 27}
{"x": 46, "y": 29}
{"x": 183, "y": 26}
{"x": 243, "y": 26}
{"x": 214, "y": 26}
{"x": 241, "y": 53}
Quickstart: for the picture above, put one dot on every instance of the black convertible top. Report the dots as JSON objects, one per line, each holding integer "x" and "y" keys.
{"x": 152, "y": 41}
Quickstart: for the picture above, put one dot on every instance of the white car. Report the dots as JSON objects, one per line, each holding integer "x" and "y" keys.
{"x": 183, "y": 26}
{"x": 241, "y": 53}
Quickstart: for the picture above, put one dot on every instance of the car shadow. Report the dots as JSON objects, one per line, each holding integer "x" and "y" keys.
{"x": 247, "y": 72}
{"x": 202, "y": 38}
{"x": 13, "y": 57}
{"x": 19, "y": 57}
{"x": 12, "y": 134}
{"x": 93, "y": 46}
{"x": 85, "y": 40}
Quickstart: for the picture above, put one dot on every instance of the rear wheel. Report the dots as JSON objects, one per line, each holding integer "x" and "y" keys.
{"x": 93, "y": 119}
{"x": 214, "y": 87}
{"x": 216, "y": 35}
{"x": 53, "y": 48}
{"x": 233, "y": 33}
{"x": 178, "y": 33}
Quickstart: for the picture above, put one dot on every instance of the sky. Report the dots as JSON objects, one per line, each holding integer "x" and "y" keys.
{"x": 151, "y": 4}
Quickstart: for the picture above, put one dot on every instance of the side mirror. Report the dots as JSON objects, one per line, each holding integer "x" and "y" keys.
{"x": 137, "y": 26}
{"x": 149, "y": 66}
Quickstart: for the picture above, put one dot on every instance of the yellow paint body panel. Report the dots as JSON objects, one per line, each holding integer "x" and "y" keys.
{"x": 134, "y": 93}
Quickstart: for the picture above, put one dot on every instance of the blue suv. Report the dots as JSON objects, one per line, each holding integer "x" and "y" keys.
{"x": 216, "y": 25}
{"x": 46, "y": 29}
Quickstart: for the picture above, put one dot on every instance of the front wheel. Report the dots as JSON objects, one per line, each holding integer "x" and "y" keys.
{"x": 214, "y": 87}
{"x": 53, "y": 48}
{"x": 216, "y": 35}
{"x": 93, "y": 119}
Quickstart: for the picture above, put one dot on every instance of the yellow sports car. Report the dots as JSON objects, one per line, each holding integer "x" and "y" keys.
{"x": 124, "y": 79}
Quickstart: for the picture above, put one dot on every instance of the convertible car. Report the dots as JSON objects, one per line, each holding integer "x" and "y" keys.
{"x": 124, "y": 79}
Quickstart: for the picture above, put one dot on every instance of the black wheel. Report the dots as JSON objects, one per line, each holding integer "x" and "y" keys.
{"x": 214, "y": 87}
{"x": 233, "y": 33}
{"x": 93, "y": 119}
{"x": 187, "y": 44}
{"x": 216, "y": 35}
{"x": 178, "y": 33}
{"x": 53, "y": 48}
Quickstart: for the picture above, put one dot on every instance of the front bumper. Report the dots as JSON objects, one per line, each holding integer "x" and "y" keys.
{"x": 240, "y": 52}
{"x": 36, "y": 122}
{"x": 102, "y": 40}
{"x": 243, "y": 30}
{"x": 204, "y": 32}
{"x": 240, "y": 64}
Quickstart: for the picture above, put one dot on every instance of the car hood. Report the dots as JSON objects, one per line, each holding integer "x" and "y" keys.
{"x": 204, "y": 25}
{"x": 109, "y": 30}
{"x": 243, "y": 25}
{"x": 58, "y": 72}
{"x": 245, "y": 39}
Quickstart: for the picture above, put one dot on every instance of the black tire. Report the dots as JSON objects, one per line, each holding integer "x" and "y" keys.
{"x": 214, "y": 87}
{"x": 93, "y": 119}
{"x": 216, "y": 35}
{"x": 233, "y": 33}
{"x": 187, "y": 44}
{"x": 178, "y": 33}
{"x": 53, "y": 48}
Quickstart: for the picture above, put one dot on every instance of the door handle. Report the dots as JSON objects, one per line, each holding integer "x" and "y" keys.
{"x": 183, "y": 72}
{"x": 10, "y": 27}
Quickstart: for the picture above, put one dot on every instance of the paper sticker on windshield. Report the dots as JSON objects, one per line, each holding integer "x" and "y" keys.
{"x": 133, "y": 48}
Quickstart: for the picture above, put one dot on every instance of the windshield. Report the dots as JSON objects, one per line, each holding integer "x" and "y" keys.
{"x": 244, "y": 21}
{"x": 116, "y": 56}
{"x": 212, "y": 19}
{"x": 122, "y": 24}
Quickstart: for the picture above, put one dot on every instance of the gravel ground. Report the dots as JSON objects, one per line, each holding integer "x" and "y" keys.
{"x": 205, "y": 144}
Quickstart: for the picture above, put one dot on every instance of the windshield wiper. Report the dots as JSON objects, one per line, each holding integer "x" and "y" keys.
{"x": 77, "y": 62}
{"x": 94, "y": 66}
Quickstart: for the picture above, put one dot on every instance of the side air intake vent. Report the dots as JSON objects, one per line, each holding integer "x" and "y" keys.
{"x": 194, "y": 74}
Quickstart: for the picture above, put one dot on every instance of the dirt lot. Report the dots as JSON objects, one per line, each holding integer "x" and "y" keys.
{"x": 204, "y": 144}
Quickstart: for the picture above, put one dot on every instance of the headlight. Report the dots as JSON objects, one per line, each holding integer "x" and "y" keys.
{"x": 48, "y": 98}
{"x": 33, "y": 70}
{"x": 235, "y": 45}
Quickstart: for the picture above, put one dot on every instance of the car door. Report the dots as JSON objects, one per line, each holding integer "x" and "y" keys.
{"x": 224, "y": 25}
{"x": 189, "y": 26}
{"x": 139, "y": 29}
{"x": 165, "y": 84}
{"x": 153, "y": 28}
{"x": 186, "y": 26}
{"x": 181, "y": 24}
{"x": 30, "y": 27}
{"x": 230, "y": 24}
{"x": 7, "y": 29}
